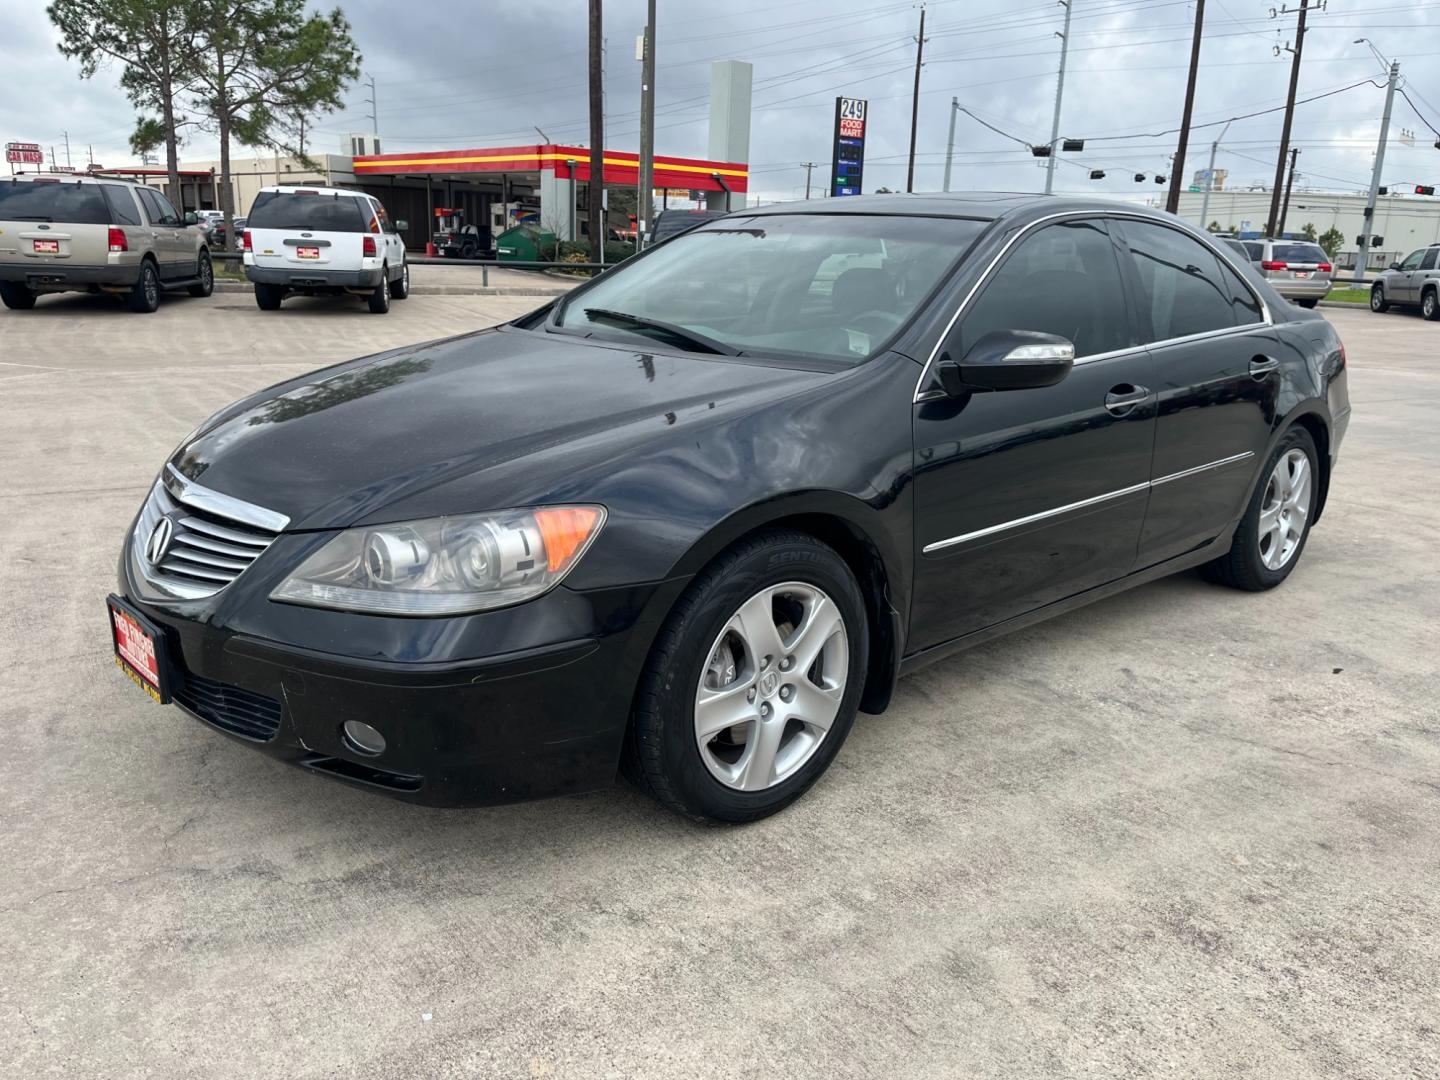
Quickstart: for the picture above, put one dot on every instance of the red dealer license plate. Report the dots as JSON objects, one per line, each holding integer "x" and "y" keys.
{"x": 47, "y": 247}
{"x": 307, "y": 253}
{"x": 139, "y": 649}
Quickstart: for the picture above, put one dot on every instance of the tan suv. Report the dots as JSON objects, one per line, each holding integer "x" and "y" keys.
{"x": 79, "y": 233}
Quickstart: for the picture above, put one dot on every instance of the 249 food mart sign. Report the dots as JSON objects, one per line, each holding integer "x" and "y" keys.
{"x": 25, "y": 153}
{"x": 847, "y": 167}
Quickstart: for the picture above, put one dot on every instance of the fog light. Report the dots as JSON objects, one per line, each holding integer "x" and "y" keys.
{"x": 363, "y": 739}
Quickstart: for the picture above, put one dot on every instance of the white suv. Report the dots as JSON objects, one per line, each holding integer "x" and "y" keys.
{"x": 316, "y": 240}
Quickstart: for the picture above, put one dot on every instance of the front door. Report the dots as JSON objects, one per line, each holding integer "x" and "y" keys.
{"x": 1217, "y": 382}
{"x": 1024, "y": 497}
{"x": 1401, "y": 284}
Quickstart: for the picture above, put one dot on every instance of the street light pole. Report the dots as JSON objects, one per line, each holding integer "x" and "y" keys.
{"x": 1362, "y": 257}
{"x": 1059, "y": 96}
{"x": 645, "y": 205}
{"x": 1210, "y": 178}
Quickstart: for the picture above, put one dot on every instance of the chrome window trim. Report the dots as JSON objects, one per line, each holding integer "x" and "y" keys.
{"x": 1103, "y": 215}
{"x": 990, "y": 530}
{"x": 202, "y": 498}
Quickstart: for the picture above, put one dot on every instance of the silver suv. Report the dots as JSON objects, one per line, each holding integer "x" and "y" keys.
{"x": 67, "y": 233}
{"x": 1415, "y": 281}
{"x": 1299, "y": 270}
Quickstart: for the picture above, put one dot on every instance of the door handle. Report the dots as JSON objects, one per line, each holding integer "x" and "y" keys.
{"x": 1262, "y": 365}
{"x": 1123, "y": 398}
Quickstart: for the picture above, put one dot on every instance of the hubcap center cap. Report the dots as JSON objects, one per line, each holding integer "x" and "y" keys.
{"x": 769, "y": 683}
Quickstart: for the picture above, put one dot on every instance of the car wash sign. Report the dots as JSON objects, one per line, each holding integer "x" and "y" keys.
{"x": 847, "y": 169}
{"x": 24, "y": 153}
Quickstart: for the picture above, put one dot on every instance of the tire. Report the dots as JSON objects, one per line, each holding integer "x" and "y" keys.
{"x": 788, "y": 576}
{"x": 1378, "y": 303}
{"x": 1307, "y": 303}
{"x": 17, "y": 297}
{"x": 467, "y": 251}
{"x": 1251, "y": 562}
{"x": 380, "y": 295}
{"x": 145, "y": 296}
{"x": 400, "y": 290}
{"x": 268, "y": 297}
{"x": 205, "y": 271}
{"x": 1430, "y": 305}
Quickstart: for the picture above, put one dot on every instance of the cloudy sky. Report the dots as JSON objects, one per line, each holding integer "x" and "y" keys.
{"x": 486, "y": 72}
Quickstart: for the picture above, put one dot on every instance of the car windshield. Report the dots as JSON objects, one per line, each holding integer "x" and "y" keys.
{"x": 320, "y": 211}
{"x": 53, "y": 200}
{"x": 1299, "y": 253}
{"x": 828, "y": 285}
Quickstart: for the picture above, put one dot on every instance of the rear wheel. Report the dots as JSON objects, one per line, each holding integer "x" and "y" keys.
{"x": 17, "y": 297}
{"x": 268, "y": 297}
{"x": 1429, "y": 305}
{"x": 380, "y": 297}
{"x": 401, "y": 289}
{"x": 467, "y": 250}
{"x": 206, "y": 273}
{"x": 1310, "y": 303}
{"x": 145, "y": 296}
{"x": 1272, "y": 534}
{"x": 1378, "y": 303}
{"x": 753, "y": 683}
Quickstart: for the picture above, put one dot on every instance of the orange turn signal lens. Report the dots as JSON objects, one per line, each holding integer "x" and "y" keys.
{"x": 565, "y": 531}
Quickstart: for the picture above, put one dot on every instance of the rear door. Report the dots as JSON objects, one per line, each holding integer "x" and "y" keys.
{"x": 52, "y": 222}
{"x": 308, "y": 230}
{"x": 171, "y": 244}
{"x": 1216, "y": 372}
{"x": 1025, "y": 497}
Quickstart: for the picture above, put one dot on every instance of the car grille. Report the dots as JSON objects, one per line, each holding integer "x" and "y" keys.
{"x": 241, "y": 712}
{"x": 212, "y": 537}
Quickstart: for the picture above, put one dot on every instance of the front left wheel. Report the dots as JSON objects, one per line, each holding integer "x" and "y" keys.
{"x": 753, "y": 683}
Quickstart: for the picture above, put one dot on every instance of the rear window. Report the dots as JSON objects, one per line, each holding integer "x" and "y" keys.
{"x": 1300, "y": 253}
{"x": 75, "y": 204}
{"x": 322, "y": 213}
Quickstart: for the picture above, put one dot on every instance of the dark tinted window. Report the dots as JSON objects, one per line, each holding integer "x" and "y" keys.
{"x": 671, "y": 222}
{"x": 122, "y": 204}
{"x": 1428, "y": 263}
{"x": 322, "y": 213}
{"x": 1182, "y": 290}
{"x": 1064, "y": 279}
{"x": 1256, "y": 250}
{"x": 1242, "y": 300}
{"x": 167, "y": 209}
{"x": 155, "y": 208}
{"x": 1299, "y": 253}
{"x": 53, "y": 200}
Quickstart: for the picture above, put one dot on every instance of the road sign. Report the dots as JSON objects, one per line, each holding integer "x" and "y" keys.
{"x": 1195, "y": 189}
{"x": 847, "y": 167}
{"x": 26, "y": 153}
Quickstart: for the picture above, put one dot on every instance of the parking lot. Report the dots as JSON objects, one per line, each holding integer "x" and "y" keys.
{"x": 1186, "y": 832}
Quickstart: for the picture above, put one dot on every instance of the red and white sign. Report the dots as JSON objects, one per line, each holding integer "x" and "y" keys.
{"x": 136, "y": 647}
{"x": 25, "y": 153}
{"x": 852, "y": 129}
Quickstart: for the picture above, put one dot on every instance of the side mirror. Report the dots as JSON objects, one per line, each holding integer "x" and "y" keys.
{"x": 401, "y": 224}
{"x": 191, "y": 218}
{"x": 1008, "y": 360}
{"x": 1394, "y": 266}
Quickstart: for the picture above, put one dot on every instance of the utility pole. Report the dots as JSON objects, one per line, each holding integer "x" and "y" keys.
{"x": 950, "y": 143}
{"x": 1362, "y": 258}
{"x": 596, "y": 189}
{"x": 66, "y": 134}
{"x": 302, "y": 135}
{"x": 807, "y": 166}
{"x": 1172, "y": 203}
{"x": 1289, "y": 118}
{"x": 1289, "y": 185}
{"x": 1210, "y": 178}
{"x": 1059, "y": 96}
{"x": 915, "y": 101}
{"x": 644, "y": 207}
{"x": 374, "y": 108}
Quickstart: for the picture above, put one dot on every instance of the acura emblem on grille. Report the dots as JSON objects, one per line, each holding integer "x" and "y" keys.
{"x": 159, "y": 542}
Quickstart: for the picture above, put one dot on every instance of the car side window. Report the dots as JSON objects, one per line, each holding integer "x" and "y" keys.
{"x": 1256, "y": 251}
{"x": 1063, "y": 279}
{"x": 1242, "y": 299}
{"x": 121, "y": 203}
{"x": 157, "y": 207}
{"x": 1183, "y": 291}
{"x": 1412, "y": 261}
{"x": 1428, "y": 263}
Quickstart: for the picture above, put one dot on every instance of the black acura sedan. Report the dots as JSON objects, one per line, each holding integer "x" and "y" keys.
{"x": 689, "y": 519}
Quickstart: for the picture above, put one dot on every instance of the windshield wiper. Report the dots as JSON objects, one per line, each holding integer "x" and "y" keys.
{"x": 31, "y": 217}
{"x": 642, "y": 322}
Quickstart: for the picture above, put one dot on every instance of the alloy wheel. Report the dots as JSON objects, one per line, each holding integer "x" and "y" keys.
{"x": 152, "y": 288}
{"x": 1285, "y": 508}
{"x": 1377, "y": 298}
{"x": 772, "y": 686}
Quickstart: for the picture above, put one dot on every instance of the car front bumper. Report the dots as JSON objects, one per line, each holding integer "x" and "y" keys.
{"x": 520, "y": 723}
{"x": 298, "y": 278}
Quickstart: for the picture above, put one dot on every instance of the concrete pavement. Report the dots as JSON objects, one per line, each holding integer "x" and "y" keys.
{"x": 1185, "y": 832}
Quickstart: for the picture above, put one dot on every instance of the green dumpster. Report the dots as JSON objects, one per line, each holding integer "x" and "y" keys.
{"x": 523, "y": 243}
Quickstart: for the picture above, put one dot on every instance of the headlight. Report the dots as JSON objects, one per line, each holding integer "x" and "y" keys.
{"x": 447, "y": 565}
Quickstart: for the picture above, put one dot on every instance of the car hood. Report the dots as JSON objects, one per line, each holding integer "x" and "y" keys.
{"x": 337, "y": 446}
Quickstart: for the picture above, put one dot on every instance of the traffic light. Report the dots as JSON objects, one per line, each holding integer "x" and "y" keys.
{"x": 1383, "y": 190}
{"x": 1040, "y": 151}
{"x": 1097, "y": 174}
{"x": 1139, "y": 178}
{"x": 1424, "y": 189}
{"x": 1160, "y": 179}
{"x": 1073, "y": 145}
